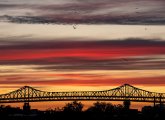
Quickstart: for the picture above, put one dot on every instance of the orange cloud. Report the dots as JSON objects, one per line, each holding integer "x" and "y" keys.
{"x": 93, "y": 81}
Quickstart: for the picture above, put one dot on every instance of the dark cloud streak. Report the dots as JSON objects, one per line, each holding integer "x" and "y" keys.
{"x": 90, "y": 12}
{"x": 84, "y": 19}
{"x": 72, "y": 44}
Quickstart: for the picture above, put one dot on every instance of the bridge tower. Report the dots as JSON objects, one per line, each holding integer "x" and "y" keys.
{"x": 160, "y": 102}
{"x": 26, "y": 107}
{"x": 154, "y": 101}
{"x": 126, "y": 104}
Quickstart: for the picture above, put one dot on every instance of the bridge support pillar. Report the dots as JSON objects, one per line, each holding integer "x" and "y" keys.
{"x": 26, "y": 107}
{"x": 126, "y": 104}
{"x": 154, "y": 101}
{"x": 160, "y": 102}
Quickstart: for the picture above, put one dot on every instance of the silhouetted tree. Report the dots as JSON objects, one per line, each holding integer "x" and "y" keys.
{"x": 105, "y": 107}
{"x": 101, "y": 107}
{"x": 118, "y": 108}
{"x": 73, "y": 107}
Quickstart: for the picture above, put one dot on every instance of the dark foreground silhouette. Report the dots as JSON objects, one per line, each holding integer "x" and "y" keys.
{"x": 74, "y": 111}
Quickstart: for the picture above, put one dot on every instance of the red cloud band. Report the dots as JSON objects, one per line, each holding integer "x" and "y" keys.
{"x": 93, "y": 53}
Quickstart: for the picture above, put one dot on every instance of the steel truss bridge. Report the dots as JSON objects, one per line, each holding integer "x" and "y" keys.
{"x": 121, "y": 93}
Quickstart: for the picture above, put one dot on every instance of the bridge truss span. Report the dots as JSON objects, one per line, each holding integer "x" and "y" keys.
{"x": 121, "y": 93}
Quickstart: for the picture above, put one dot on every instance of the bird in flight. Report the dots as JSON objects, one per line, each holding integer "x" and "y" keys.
{"x": 74, "y": 27}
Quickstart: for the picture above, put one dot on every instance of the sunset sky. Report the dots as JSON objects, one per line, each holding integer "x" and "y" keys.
{"x": 65, "y": 45}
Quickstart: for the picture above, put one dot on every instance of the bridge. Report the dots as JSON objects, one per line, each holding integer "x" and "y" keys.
{"x": 124, "y": 92}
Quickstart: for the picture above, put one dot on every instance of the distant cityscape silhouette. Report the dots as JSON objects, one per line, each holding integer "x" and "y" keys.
{"x": 74, "y": 110}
